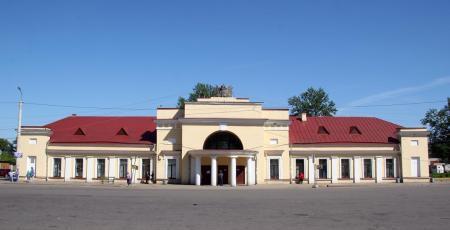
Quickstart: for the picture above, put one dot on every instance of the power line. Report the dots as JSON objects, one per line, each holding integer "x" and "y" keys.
{"x": 143, "y": 109}
{"x": 85, "y": 107}
{"x": 7, "y": 128}
{"x": 398, "y": 104}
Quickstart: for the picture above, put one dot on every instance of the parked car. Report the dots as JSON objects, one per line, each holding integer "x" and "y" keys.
{"x": 4, "y": 172}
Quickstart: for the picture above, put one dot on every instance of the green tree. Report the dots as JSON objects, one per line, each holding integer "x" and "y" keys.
{"x": 439, "y": 121}
{"x": 314, "y": 102}
{"x": 7, "y": 150}
{"x": 201, "y": 90}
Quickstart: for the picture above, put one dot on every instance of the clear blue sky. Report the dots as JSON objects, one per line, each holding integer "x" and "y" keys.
{"x": 142, "y": 54}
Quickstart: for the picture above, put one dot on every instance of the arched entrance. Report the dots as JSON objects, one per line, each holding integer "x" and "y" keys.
{"x": 223, "y": 140}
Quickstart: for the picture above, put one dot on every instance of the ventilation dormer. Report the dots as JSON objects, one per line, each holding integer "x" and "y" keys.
{"x": 322, "y": 130}
{"x": 354, "y": 130}
{"x": 122, "y": 132}
{"x": 79, "y": 132}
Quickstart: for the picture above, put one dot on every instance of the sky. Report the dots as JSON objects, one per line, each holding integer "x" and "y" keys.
{"x": 144, "y": 54}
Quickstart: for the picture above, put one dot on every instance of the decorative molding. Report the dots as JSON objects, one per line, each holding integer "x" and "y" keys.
{"x": 273, "y": 152}
{"x": 56, "y": 152}
{"x": 229, "y": 121}
{"x": 342, "y": 152}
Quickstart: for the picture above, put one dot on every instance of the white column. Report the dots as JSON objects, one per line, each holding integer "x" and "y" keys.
{"x": 250, "y": 171}
{"x": 134, "y": 172}
{"x": 112, "y": 167}
{"x": 151, "y": 170}
{"x": 334, "y": 170}
{"x": 213, "y": 170}
{"x": 192, "y": 171}
{"x": 379, "y": 171}
{"x": 198, "y": 166}
{"x": 311, "y": 170}
{"x": 356, "y": 169}
{"x": 67, "y": 168}
{"x": 395, "y": 167}
{"x": 233, "y": 171}
{"x": 89, "y": 171}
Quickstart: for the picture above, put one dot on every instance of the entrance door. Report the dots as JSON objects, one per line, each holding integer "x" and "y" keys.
{"x": 145, "y": 167}
{"x": 415, "y": 167}
{"x": 323, "y": 174}
{"x": 206, "y": 174}
{"x": 224, "y": 169}
{"x": 240, "y": 174}
{"x": 299, "y": 167}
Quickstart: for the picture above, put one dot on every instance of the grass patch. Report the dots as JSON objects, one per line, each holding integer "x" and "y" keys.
{"x": 440, "y": 175}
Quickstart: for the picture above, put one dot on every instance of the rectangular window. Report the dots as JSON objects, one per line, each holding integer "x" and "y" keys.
{"x": 345, "y": 168}
{"x": 171, "y": 168}
{"x": 145, "y": 167}
{"x": 415, "y": 142}
{"x": 390, "y": 168}
{"x": 56, "y": 167}
{"x": 323, "y": 171}
{"x": 123, "y": 168}
{"x": 274, "y": 141}
{"x": 274, "y": 169}
{"x": 100, "y": 168}
{"x": 78, "y": 168}
{"x": 367, "y": 168}
{"x": 299, "y": 167}
{"x": 32, "y": 141}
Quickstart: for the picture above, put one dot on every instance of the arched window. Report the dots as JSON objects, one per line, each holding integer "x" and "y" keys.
{"x": 223, "y": 140}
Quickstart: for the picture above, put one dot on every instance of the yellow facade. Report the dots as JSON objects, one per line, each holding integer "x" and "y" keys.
{"x": 266, "y": 156}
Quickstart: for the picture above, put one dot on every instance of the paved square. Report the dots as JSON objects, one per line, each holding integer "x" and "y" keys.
{"x": 35, "y": 206}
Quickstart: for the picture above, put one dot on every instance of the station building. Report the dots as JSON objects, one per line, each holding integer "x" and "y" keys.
{"x": 240, "y": 140}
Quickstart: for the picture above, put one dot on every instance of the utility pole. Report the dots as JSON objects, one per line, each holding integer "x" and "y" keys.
{"x": 19, "y": 126}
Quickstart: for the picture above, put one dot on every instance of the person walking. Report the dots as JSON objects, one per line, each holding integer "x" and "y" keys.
{"x": 220, "y": 178}
{"x": 28, "y": 175}
{"x": 11, "y": 176}
{"x": 128, "y": 178}
{"x": 16, "y": 175}
{"x": 31, "y": 173}
{"x": 147, "y": 177}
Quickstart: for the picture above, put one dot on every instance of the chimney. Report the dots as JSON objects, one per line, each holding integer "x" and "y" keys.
{"x": 304, "y": 117}
{"x": 74, "y": 114}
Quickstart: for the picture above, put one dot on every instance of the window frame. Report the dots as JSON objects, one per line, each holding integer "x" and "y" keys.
{"x": 349, "y": 168}
{"x": 57, "y": 175}
{"x": 280, "y": 167}
{"x": 97, "y": 165}
{"x": 126, "y": 168}
{"x": 414, "y": 142}
{"x": 319, "y": 175}
{"x": 75, "y": 168}
{"x": 386, "y": 167}
{"x": 371, "y": 168}
{"x": 177, "y": 167}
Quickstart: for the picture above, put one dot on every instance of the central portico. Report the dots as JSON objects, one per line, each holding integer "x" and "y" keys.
{"x": 220, "y": 135}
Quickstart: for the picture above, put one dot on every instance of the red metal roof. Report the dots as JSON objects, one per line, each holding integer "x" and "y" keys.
{"x": 373, "y": 130}
{"x": 139, "y": 130}
{"x": 142, "y": 130}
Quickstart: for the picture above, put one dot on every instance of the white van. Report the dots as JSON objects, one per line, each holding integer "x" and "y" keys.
{"x": 437, "y": 168}
{"x": 447, "y": 168}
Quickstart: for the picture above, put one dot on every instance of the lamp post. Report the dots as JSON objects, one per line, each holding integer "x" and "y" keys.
{"x": 19, "y": 125}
